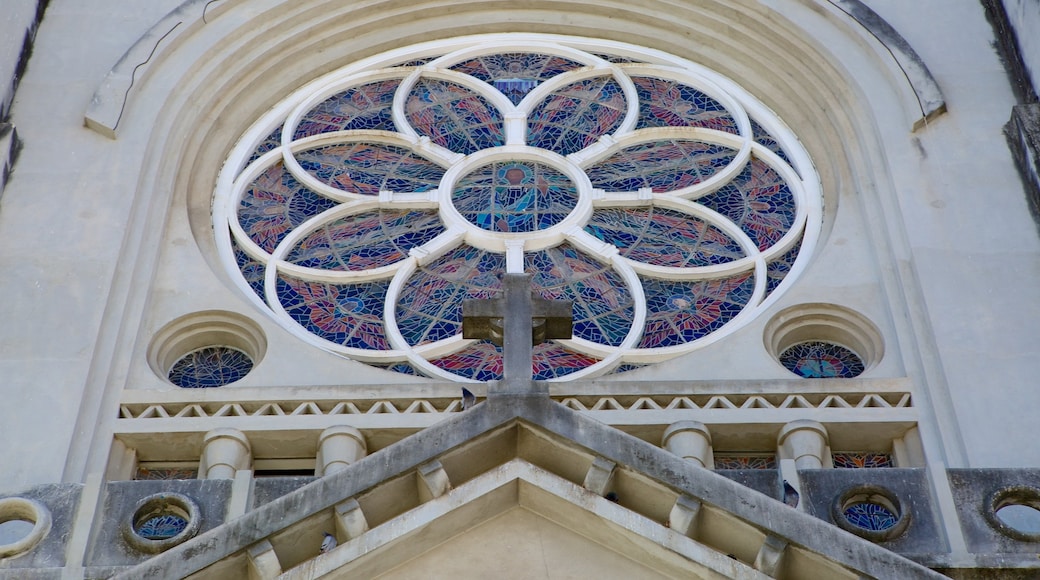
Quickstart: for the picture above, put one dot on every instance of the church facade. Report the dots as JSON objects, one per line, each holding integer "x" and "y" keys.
{"x": 725, "y": 289}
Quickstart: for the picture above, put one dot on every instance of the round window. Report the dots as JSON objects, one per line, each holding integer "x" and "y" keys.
{"x": 661, "y": 199}
{"x": 871, "y": 512}
{"x": 823, "y": 360}
{"x": 212, "y": 366}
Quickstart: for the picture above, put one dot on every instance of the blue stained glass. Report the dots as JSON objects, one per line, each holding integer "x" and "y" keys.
{"x": 161, "y": 527}
{"x": 482, "y": 361}
{"x": 777, "y": 270}
{"x": 763, "y": 137}
{"x": 364, "y": 107}
{"x": 346, "y": 314}
{"x": 679, "y": 312}
{"x": 824, "y": 360}
{"x": 870, "y": 516}
{"x": 759, "y": 201}
{"x": 274, "y": 204}
{"x": 453, "y": 116}
{"x": 603, "y": 306}
{"x": 213, "y": 366}
{"x": 575, "y": 116}
{"x": 430, "y": 306}
{"x": 398, "y": 367}
{"x": 252, "y": 271}
{"x": 515, "y": 196}
{"x": 663, "y": 237}
{"x": 518, "y": 73}
{"x": 667, "y": 103}
{"x": 270, "y": 142}
{"x": 368, "y": 168}
{"x": 660, "y": 165}
{"x": 367, "y": 240}
{"x": 625, "y": 367}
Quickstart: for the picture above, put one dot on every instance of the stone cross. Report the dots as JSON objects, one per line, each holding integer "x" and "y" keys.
{"x": 517, "y": 323}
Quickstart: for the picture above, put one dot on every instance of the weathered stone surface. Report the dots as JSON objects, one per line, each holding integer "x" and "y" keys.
{"x": 1023, "y": 133}
{"x": 61, "y": 500}
{"x": 821, "y": 488}
{"x": 971, "y": 490}
{"x": 764, "y": 481}
{"x": 109, "y": 548}
{"x": 268, "y": 489}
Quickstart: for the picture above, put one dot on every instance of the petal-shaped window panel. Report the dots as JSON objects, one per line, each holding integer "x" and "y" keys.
{"x": 366, "y": 240}
{"x": 660, "y": 165}
{"x": 368, "y": 106}
{"x": 759, "y": 201}
{"x": 454, "y": 116}
{"x": 368, "y": 168}
{"x": 345, "y": 314}
{"x": 667, "y": 103}
{"x": 515, "y": 196}
{"x": 603, "y": 306}
{"x": 430, "y": 306}
{"x": 482, "y": 361}
{"x": 679, "y": 311}
{"x": 275, "y": 203}
{"x": 663, "y": 237}
{"x": 515, "y": 73}
{"x": 575, "y": 116}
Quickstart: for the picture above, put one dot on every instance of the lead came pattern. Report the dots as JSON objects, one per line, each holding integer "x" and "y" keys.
{"x": 870, "y": 516}
{"x": 212, "y": 366}
{"x": 514, "y": 197}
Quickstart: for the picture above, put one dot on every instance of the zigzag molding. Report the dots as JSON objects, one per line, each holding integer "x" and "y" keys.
{"x": 732, "y": 402}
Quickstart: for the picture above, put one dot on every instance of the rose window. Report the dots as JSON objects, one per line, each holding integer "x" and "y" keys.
{"x": 663, "y": 200}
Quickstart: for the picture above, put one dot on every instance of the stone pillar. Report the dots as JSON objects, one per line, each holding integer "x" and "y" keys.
{"x": 338, "y": 447}
{"x": 690, "y": 440}
{"x": 805, "y": 442}
{"x": 224, "y": 451}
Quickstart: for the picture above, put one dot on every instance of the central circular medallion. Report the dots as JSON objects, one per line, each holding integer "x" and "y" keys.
{"x": 514, "y": 196}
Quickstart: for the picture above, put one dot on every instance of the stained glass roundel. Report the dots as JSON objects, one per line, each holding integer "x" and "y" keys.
{"x": 664, "y": 201}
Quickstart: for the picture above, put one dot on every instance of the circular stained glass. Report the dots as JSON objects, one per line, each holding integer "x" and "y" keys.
{"x": 870, "y": 516}
{"x": 161, "y": 527}
{"x": 666, "y": 203}
{"x": 213, "y": 366}
{"x": 821, "y": 360}
{"x": 514, "y": 196}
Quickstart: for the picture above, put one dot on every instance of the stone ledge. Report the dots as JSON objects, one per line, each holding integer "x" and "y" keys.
{"x": 1023, "y": 134}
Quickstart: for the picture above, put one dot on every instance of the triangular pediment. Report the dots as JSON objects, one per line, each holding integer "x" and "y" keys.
{"x": 419, "y": 498}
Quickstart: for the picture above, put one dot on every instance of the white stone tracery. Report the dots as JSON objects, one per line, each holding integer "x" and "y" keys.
{"x": 799, "y": 176}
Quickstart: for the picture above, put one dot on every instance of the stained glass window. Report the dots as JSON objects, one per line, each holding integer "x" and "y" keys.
{"x": 870, "y": 516}
{"x": 861, "y": 460}
{"x": 745, "y": 461}
{"x": 213, "y": 366}
{"x": 161, "y": 527}
{"x": 821, "y": 360}
{"x": 624, "y": 180}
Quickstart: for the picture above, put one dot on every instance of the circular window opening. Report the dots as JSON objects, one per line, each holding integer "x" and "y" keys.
{"x": 824, "y": 341}
{"x": 162, "y": 521}
{"x": 662, "y": 200}
{"x": 821, "y": 360}
{"x": 1015, "y": 512}
{"x": 15, "y": 530}
{"x": 212, "y": 366}
{"x": 23, "y": 523}
{"x": 207, "y": 349}
{"x": 871, "y": 512}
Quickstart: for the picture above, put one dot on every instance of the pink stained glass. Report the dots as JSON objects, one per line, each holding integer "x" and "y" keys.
{"x": 668, "y": 103}
{"x": 679, "y": 312}
{"x": 453, "y": 116}
{"x": 759, "y": 201}
{"x": 745, "y": 461}
{"x": 364, "y": 107}
{"x": 663, "y": 237}
{"x": 482, "y": 361}
{"x": 366, "y": 240}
